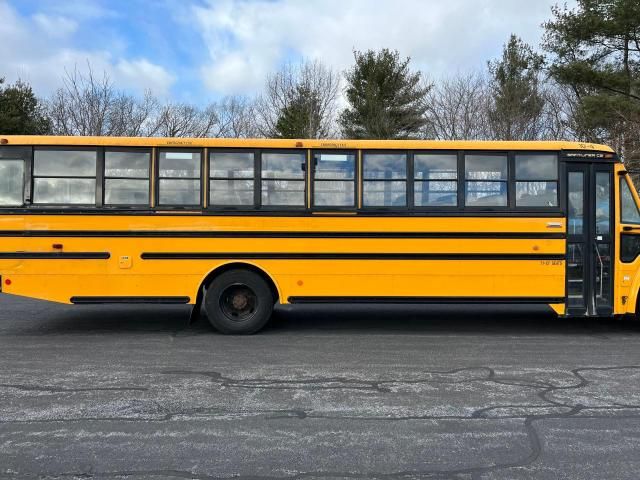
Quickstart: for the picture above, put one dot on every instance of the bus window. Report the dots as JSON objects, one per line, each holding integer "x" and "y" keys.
{"x": 11, "y": 182}
{"x": 179, "y": 182}
{"x": 334, "y": 180}
{"x": 385, "y": 180}
{"x": 64, "y": 177}
{"x": 536, "y": 180}
{"x": 486, "y": 180}
{"x": 283, "y": 181}
{"x": 231, "y": 177}
{"x": 126, "y": 177}
{"x": 435, "y": 180}
{"x": 630, "y": 212}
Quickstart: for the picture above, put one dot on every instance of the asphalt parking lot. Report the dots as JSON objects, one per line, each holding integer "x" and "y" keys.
{"x": 332, "y": 392}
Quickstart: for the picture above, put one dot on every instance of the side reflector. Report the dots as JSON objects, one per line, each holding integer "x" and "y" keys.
{"x": 3, "y": 141}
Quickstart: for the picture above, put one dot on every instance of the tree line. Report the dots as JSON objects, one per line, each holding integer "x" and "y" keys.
{"x": 583, "y": 83}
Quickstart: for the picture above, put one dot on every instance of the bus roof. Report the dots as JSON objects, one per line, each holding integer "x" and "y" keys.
{"x": 301, "y": 143}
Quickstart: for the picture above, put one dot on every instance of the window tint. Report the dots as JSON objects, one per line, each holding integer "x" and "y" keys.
{"x": 64, "y": 163}
{"x": 179, "y": 173}
{"x": 576, "y": 203}
{"x": 334, "y": 179}
{"x": 124, "y": 191}
{"x": 11, "y": 182}
{"x": 435, "y": 178}
{"x": 283, "y": 165}
{"x": 486, "y": 180}
{"x": 134, "y": 164}
{"x": 536, "y": 180}
{"x": 283, "y": 181}
{"x": 64, "y": 177}
{"x": 385, "y": 166}
{"x": 231, "y": 165}
{"x": 231, "y": 178}
{"x": 603, "y": 195}
{"x": 71, "y": 191}
{"x": 384, "y": 183}
{"x": 537, "y": 194}
{"x": 630, "y": 212}
{"x": 536, "y": 167}
{"x": 385, "y": 194}
{"x": 126, "y": 177}
{"x": 179, "y": 192}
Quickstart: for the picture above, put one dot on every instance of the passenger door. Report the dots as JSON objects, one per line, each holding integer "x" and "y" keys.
{"x": 589, "y": 239}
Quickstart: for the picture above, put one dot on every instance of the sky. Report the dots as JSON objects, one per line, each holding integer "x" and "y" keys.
{"x": 200, "y": 50}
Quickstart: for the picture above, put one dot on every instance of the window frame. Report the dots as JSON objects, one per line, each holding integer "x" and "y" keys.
{"x": 559, "y": 181}
{"x": 104, "y": 178}
{"x": 458, "y": 207}
{"x": 157, "y": 178}
{"x": 24, "y": 153}
{"x": 305, "y": 179}
{"x": 312, "y": 180}
{"x": 98, "y": 177}
{"x": 508, "y": 155}
{"x": 408, "y": 180}
{"x": 256, "y": 196}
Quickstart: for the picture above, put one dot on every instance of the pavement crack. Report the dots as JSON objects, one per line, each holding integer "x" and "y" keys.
{"x": 53, "y": 389}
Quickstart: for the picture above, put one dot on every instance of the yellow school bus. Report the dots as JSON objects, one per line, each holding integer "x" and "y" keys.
{"x": 235, "y": 226}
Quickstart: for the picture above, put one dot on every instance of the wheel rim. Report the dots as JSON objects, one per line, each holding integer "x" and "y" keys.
{"x": 238, "y": 302}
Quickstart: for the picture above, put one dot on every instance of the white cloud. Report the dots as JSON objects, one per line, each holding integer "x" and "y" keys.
{"x": 248, "y": 39}
{"x": 55, "y": 25}
{"x": 39, "y": 49}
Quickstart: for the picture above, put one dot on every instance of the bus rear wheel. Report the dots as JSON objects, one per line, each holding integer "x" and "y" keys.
{"x": 238, "y": 302}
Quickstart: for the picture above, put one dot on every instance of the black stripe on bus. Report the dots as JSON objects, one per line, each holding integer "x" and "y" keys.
{"x": 428, "y": 300}
{"x": 129, "y": 300}
{"x": 55, "y": 255}
{"x": 280, "y": 234}
{"x": 346, "y": 256}
{"x": 498, "y": 212}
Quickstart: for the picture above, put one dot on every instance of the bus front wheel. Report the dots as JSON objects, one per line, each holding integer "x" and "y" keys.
{"x": 238, "y": 302}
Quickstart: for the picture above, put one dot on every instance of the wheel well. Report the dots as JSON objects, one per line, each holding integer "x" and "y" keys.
{"x": 234, "y": 266}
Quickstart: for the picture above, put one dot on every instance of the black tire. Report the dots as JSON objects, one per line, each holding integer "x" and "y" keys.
{"x": 238, "y": 302}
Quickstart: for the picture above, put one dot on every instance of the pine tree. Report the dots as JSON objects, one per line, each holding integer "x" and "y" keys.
{"x": 596, "y": 51}
{"x": 301, "y": 117}
{"x": 20, "y": 111}
{"x": 386, "y": 99}
{"x": 516, "y": 104}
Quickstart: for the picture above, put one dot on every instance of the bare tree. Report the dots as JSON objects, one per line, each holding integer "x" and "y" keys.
{"x": 185, "y": 120}
{"x": 88, "y": 105}
{"x": 134, "y": 117}
{"x": 236, "y": 118}
{"x": 559, "y": 115}
{"x": 303, "y": 97}
{"x": 457, "y": 108}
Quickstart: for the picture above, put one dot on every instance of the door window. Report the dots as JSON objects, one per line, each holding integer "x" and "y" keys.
{"x": 576, "y": 203}
{"x": 603, "y": 206}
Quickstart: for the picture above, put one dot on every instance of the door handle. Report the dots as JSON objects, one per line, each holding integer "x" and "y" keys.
{"x": 554, "y": 225}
